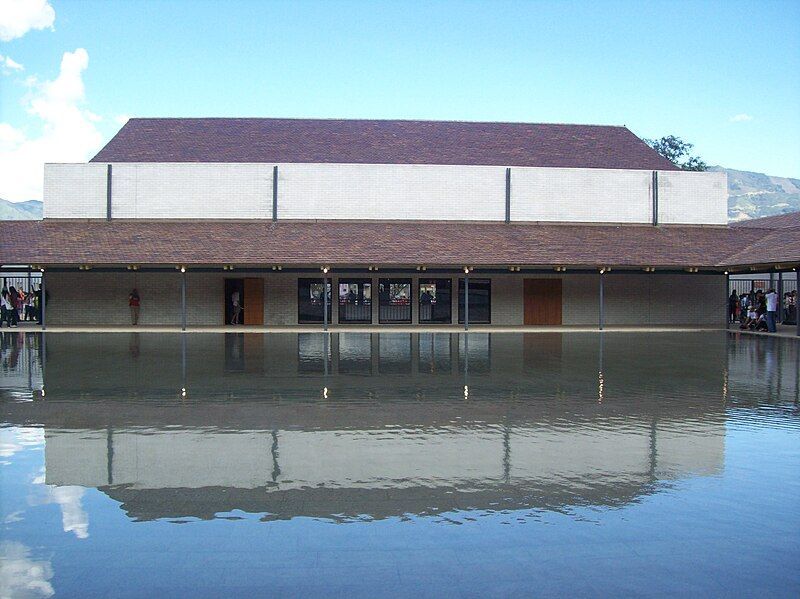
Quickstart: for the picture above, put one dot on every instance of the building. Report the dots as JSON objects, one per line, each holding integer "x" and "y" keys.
{"x": 535, "y": 224}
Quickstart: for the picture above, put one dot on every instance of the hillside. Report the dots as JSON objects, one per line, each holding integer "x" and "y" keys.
{"x": 30, "y": 210}
{"x": 753, "y": 195}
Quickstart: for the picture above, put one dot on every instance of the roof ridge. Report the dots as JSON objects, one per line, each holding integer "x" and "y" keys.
{"x": 371, "y": 120}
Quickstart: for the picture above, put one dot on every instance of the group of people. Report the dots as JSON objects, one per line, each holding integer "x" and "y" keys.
{"x": 16, "y": 305}
{"x": 759, "y": 311}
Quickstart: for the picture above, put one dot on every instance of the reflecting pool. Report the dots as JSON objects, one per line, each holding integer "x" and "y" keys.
{"x": 441, "y": 465}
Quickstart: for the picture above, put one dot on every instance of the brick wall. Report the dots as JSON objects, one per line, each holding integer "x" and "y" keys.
{"x": 692, "y": 198}
{"x": 381, "y": 192}
{"x": 581, "y": 195}
{"x": 192, "y": 191}
{"x": 390, "y": 192}
{"x": 635, "y": 299}
{"x": 74, "y": 191}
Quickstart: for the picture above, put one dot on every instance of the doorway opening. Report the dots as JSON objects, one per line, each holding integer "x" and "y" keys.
{"x": 249, "y": 294}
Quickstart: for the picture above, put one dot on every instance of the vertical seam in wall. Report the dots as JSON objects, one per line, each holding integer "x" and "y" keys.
{"x": 655, "y": 198}
{"x": 275, "y": 193}
{"x": 508, "y": 195}
{"x": 108, "y": 192}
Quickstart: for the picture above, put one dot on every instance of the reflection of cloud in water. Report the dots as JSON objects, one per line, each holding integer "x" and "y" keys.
{"x": 14, "y": 440}
{"x": 68, "y": 497}
{"x": 21, "y": 576}
{"x": 73, "y": 517}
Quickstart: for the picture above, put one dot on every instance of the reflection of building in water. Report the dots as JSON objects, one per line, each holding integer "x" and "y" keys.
{"x": 395, "y": 434}
{"x": 764, "y": 368}
{"x": 20, "y": 361}
{"x": 382, "y": 471}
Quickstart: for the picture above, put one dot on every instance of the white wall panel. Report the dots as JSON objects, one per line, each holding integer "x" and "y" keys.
{"x": 74, "y": 191}
{"x": 390, "y": 192}
{"x": 189, "y": 190}
{"x": 692, "y": 198}
{"x": 382, "y": 192}
{"x": 581, "y": 195}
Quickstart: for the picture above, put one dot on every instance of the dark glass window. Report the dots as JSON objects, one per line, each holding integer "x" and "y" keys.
{"x": 435, "y": 300}
{"x": 394, "y": 300}
{"x": 310, "y": 301}
{"x": 355, "y": 301}
{"x": 480, "y": 301}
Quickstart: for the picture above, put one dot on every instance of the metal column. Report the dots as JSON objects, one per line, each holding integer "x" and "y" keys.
{"x": 325, "y": 303}
{"x": 43, "y": 303}
{"x": 602, "y": 305}
{"x": 797, "y": 301}
{"x": 183, "y": 301}
{"x": 466, "y": 301}
{"x": 727, "y": 300}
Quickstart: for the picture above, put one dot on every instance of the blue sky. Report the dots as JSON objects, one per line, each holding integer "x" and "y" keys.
{"x": 722, "y": 75}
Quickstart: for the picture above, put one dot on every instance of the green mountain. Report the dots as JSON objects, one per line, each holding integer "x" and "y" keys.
{"x": 753, "y": 195}
{"x": 30, "y": 210}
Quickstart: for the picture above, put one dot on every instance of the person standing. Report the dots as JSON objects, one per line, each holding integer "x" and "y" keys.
{"x": 134, "y": 302}
{"x": 745, "y": 302}
{"x": 13, "y": 299}
{"x": 772, "y": 310}
{"x": 5, "y": 308}
{"x": 733, "y": 306}
{"x": 28, "y": 305}
{"x": 237, "y": 307}
{"x": 37, "y": 304}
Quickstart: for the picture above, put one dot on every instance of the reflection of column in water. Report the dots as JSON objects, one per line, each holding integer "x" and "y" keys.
{"x": 183, "y": 364}
{"x": 28, "y": 341}
{"x": 466, "y": 365}
{"x": 797, "y": 372}
{"x": 325, "y": 345}
{"x": 44, "y": 356}
{"x": 600, "y": 376}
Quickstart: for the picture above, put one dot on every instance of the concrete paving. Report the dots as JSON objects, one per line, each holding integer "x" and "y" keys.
{"x": 360, "y": 329}
{"x": 784, "y": 330}
{"x": 788, "y": 331}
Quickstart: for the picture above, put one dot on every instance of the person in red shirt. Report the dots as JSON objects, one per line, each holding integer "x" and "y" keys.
{"x": 133, "y": 301}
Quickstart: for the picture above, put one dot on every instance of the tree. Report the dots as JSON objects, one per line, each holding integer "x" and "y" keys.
{"x": 677, "y": 151}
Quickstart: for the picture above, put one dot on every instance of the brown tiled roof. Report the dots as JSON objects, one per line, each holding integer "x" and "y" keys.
{"x": 779, "y": 221}
{"x": 379, "y": 142}
{"x": 366, "y": 243}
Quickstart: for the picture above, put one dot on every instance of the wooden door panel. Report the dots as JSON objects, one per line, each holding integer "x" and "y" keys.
{"x": 254, "y": 301}
{"x": 542, "y": 301}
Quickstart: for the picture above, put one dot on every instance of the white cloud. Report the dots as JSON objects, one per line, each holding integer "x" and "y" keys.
{"x": 122, "y": 118}
{"x": 741, "y": 118}
{"x": 68, "y": 130}
{"x": 8, "y": 64}
{"x": 18, "y": 17}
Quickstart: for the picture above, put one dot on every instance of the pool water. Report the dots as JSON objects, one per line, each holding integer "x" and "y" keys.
{"x": 415, "y": 465}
